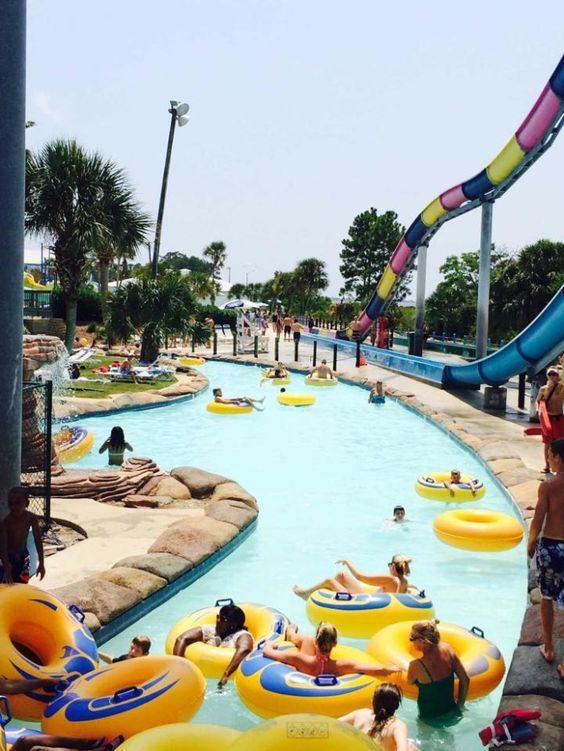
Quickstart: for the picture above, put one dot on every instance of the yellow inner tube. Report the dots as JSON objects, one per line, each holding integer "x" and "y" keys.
{"x": 130, "y": 696}
{"x": 281, "y": 381}
{"x": 304, "y": 732}
{"x": 296, "y": 400}
{"x": 191, "y": 361}
{"x": 228, "y": 409}
{"x": 481, "y": 658}
{"x": 478, "y": 529}
{"x": 432, "y": 486}
{"x": 261, "y": 621}
{"x": 320, "y": 381}
{"x": 180, "y": 736}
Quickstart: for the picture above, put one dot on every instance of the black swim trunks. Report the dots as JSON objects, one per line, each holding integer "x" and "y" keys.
{"x": 550, "y": 569}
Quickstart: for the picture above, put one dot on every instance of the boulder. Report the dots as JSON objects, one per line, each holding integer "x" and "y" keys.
{"x": 530, "y": 673}
{"x": 179, "y": 389}
{"x": 531, "y": 629}
{"x": 497, "y": 450}
{"x": 498, "y": 466}
{"x": 233, "y": 512}
{"x": 171, "y": 487}
{"x": 233, "y": 491}
{"x": 200, "y": 483}
{"x": 526, "y": 493}
{"x": 515, "y": 477}
{"x": 164, "y": 565}
{"x": 91, "y": 622}
{"x": 552, "y": 710}
{"x": 103, "y": 599}
{"x": 194, "y": 539}
{"x": 141, "y": 582}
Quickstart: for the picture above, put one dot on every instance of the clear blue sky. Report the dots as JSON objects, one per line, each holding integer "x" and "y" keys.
{"x": 303, "y": 114}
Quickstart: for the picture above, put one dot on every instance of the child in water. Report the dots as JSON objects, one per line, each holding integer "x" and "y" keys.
{"x": 455, "y": 480}
{"x": 14, "y": 554}
{"x": 377, "y": 395}
{"x": 399, "y": 514}
{"x": 115, "y": 445}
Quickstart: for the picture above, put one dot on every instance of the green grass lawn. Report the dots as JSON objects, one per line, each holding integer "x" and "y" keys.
{"x": 96, "y": 390}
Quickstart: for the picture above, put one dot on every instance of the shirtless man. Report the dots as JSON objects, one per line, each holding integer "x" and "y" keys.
{"x": 297, "y": 329}
{"x": 14, "y": 555}
{"x": 288, "y": 321}
{"x": 552, "y": 394}
{"x": 241, "y": 401}
{"x": 229, "y": 631}
{"x": 549, "y": 548}
{"x": 322, "y": 371}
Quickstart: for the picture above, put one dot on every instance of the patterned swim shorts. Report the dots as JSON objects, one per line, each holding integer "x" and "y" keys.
{"x": 550, "y": 569}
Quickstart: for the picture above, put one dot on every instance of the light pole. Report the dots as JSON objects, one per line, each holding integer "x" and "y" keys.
{"x": 177, "y": 112}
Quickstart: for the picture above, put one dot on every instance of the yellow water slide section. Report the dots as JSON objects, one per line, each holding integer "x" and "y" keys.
{"x": 505, "y": 162}
{"x": 432, "y": 212}
{"x": 386, "y": 283}
{"x": 30, "y": 283}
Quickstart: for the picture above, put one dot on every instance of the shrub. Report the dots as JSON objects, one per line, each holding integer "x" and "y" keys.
{"x": 89, "y": 308}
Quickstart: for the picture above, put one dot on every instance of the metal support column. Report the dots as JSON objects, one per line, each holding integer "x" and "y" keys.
{"x": 482, "y": 313}
{"x": 12, "y": 194}
{"x": 420, "y": 300}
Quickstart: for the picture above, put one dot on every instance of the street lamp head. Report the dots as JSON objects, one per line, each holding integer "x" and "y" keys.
{"x": 181, "y": 109}
{"x": 173, "y": 104}
{"x": 182, "y": 121}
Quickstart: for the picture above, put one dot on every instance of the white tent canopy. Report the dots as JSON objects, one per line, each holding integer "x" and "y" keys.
{"x": 242, "y": 304}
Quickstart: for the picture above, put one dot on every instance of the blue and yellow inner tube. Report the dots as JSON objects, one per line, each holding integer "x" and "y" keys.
{"x": 127, "y": 697}
{"x": 362, "y": 615}
{"x": 270, "y": 688}
{"x": 262, "y": 622}
{"x": 40, "y": 637}
{"x": 432, "y": 486}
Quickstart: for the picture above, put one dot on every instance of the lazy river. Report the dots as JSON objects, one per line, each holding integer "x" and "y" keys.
{"x": 327, "y": 478}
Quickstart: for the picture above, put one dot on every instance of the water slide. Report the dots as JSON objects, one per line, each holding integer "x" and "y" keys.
{"x": 543, "y": 339}
{"x": 30, "y": 283}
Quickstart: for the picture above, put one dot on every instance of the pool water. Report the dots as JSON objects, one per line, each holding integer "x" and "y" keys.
{"x": 327, "y": 478}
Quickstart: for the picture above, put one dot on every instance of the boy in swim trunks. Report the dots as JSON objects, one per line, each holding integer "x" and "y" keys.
{"x": 14, "y": 529}
{"x": 549, "y": 549}
{"x": 455, "y": 480}
{"x": 139, "y": 647}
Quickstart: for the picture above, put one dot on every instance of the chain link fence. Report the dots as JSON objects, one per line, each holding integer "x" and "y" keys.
{"x": 37, "y": 401}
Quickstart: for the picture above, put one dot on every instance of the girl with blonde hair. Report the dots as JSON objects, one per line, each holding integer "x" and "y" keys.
{"x": 314, "y": 654}
{"x": 395, "y": 581}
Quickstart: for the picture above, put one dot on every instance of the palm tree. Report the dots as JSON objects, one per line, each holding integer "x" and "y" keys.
{"x": 217, "y": 254}
{"x": 309, "y": 279}
{"x": 155, "y": 309}
{"x": 83, "y": 202}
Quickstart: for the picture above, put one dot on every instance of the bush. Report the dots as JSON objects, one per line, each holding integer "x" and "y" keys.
{"x": 220, "y": 317}
{"x": 89, "y": 309}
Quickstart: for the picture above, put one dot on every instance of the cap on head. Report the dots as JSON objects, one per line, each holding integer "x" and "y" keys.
{"x": 552, "y": 371}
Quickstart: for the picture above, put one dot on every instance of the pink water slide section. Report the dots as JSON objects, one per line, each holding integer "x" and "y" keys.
{"x": 535, "y": 125}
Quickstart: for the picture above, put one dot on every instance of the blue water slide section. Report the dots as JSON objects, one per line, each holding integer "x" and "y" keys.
{"x": 534, "y": 348}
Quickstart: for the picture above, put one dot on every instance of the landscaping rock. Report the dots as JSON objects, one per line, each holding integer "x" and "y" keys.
{"x": 91, "y": 622}
{"x": 526, "y": 493}
{"x": 200, "y": 483}
{"x": 104, "y": 599}
{"x": 164, "y": 565}
{"x": 552, "y": 710}
{"x": 179, "y": 389}
{"x": 498, "y": 466}
{"x": 497, "y": 450}
{"x": 531, "y": 629}
{"x": 232, "y": 512}
{"x": 173, "y": 488}
{"x": 141, "y": 582}
{"x": 515, "y": 476}
{"x": 530, "y": 673}
{"x": 232, "y": 490}
{"x": 195, "y": 539}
